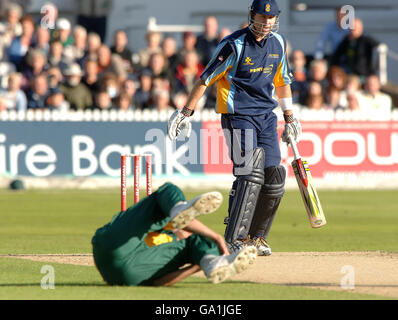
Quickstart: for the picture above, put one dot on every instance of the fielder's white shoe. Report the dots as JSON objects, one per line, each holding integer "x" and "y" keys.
{"x": 184, "y": 212}
{"x": 219, "y": 268}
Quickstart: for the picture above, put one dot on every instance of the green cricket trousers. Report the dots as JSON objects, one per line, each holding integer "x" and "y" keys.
{"x": 121, "y": 253}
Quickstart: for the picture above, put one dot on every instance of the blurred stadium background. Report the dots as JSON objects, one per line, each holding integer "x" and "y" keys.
{"x": 56, "y": 131}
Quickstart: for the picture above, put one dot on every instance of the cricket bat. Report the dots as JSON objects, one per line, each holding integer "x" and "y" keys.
{"x": 307, "y": 189}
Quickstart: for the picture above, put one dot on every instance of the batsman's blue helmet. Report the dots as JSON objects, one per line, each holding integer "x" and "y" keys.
{"x": 264, "y": 7}
{"x": 268, "y": 7}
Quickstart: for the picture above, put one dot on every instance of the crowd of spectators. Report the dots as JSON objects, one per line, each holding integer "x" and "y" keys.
{"x": 71, "y": 68}
{"x": 341, "y": 74}
{"x": 68, "y": 68}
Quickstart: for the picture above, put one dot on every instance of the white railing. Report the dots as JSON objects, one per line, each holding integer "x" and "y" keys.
{"x": 385, "y": 53}
{"x": 200, "y": 115}
{"x": 153, "y": 26}
{"x": 382, "y": 50}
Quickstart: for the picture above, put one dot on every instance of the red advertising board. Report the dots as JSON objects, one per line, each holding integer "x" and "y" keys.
{"x": 329, "y": 147}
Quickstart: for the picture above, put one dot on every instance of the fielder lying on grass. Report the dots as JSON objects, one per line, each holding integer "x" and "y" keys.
{"x": 158, "y": 241}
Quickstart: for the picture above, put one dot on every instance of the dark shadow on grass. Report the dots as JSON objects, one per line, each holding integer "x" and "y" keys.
{"x": 225, "y": 282}
{"x": 304, "y": 284}
{"x": 56, "y": 284}
{"x": 97, "y": 284}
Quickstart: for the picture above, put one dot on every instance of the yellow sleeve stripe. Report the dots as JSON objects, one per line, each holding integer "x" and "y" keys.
{"x": 223, "y": 90}
{"x": 278, "y": 79}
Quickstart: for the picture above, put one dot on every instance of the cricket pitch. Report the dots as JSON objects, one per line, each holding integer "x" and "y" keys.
{"x": 368, "y": 272}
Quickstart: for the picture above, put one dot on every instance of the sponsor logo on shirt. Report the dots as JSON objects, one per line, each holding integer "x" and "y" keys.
{"x": 274, "y": 55}
{"x": 260, "y": 69}
{"x": 266, "y": 70}
{"x": 248, "y": 62}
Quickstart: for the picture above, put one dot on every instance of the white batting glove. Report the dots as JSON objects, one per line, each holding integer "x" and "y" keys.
{"x": 292, "y": 130}
{"x": 179, "y": 122}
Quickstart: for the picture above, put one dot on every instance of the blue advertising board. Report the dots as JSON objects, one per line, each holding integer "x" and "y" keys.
{"x": 46, "y": 148}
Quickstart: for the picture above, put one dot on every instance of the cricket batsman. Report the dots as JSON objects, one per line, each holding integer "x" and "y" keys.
{"x": 159, "y": 242}
{"x": 249, "y": 66}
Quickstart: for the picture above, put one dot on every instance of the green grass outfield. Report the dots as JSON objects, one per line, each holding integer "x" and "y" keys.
{"x": 63, "y": 221}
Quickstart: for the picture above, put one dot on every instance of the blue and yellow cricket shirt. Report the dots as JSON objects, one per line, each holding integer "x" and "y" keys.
{"x": 247, "y": 73}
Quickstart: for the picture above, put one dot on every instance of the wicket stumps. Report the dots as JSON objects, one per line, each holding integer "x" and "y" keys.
{"x": 137, "y": 174}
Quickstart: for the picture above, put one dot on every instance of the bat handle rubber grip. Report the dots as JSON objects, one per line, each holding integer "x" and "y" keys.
{"x": 294, "y": 148}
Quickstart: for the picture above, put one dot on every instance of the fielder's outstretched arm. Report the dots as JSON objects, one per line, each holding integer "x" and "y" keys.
{"x": 195, "y": 226}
